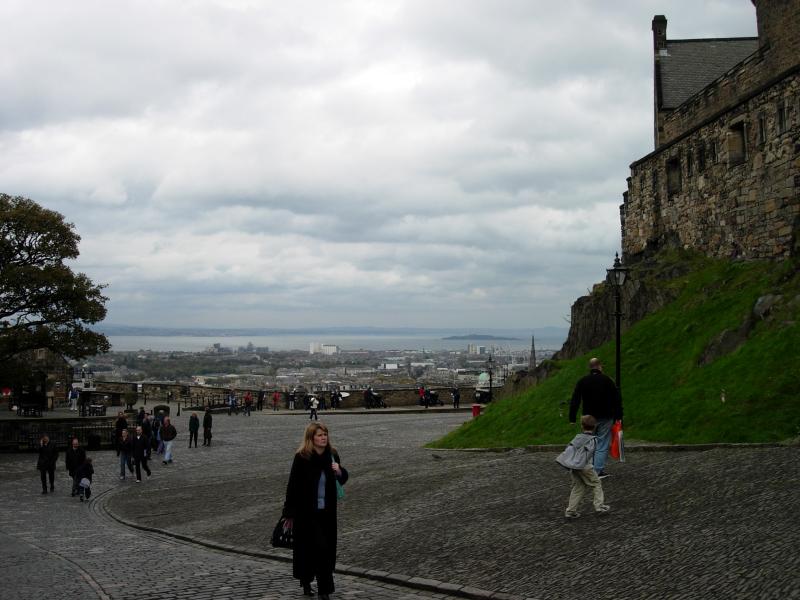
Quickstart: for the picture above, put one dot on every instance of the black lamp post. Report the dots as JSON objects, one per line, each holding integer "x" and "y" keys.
{"x": 618, "y": 274}
{"x": 489, "y": 366}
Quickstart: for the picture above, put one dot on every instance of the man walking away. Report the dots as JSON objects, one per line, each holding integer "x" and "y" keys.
{"x": 207, "y": 419}
{"x": 599, "y": 396}
{"x": 168, "y": 434}
{"x": 194, "y": 428}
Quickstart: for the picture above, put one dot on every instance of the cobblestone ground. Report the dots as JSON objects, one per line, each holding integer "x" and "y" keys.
{"x": 716, "y": 524}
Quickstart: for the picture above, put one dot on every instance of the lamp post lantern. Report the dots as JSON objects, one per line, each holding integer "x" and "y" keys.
{"x": 489, "y": 366}
{"x": 618, "y": 275}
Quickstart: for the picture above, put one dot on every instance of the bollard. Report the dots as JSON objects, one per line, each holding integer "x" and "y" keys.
{"x": 476, "y": 410}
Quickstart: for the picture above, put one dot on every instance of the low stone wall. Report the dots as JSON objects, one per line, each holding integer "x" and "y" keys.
{"x": 118, "y": 393}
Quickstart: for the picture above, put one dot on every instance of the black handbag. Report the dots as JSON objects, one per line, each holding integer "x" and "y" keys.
{"x": 282, "y": 536}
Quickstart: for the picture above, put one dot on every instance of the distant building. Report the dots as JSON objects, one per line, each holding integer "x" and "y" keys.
{"x": 326, "y": 349}
{"x": 476, "y": 349}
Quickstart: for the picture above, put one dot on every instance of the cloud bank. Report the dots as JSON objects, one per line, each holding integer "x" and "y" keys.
{"x": 403, "y": 163}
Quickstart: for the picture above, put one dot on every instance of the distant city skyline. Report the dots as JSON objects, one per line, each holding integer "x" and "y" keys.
{"x": 231, "y": 163}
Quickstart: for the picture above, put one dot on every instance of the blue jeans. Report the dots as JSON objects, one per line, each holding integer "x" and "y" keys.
{"x": 603, "y": 433}
{"x": 124, "y": 461}
{"x": 168, "y": 450}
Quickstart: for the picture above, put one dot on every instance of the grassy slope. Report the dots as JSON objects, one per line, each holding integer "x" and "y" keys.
{"x": 667, "y": 396}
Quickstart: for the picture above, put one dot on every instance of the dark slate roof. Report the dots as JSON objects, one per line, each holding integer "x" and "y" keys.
{"x": 690, "y": 65}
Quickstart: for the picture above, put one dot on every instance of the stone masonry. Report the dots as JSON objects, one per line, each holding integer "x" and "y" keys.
{"x": 725, "y": 177}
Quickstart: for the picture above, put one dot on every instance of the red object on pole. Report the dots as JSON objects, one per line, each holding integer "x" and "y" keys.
{"x": 476, "y": 410}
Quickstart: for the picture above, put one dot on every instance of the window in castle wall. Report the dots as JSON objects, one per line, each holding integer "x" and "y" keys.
{"x": 737, "y": 145}
{"x": 762, "y": 129}
{"x": 780, "y": 117}
{"x": 701, "y": 157}
{"x": 713, "y": 151}
{"x": 673, "y": 176}
{"x": 655, "y": 181}
{"x": 690, "y": 163}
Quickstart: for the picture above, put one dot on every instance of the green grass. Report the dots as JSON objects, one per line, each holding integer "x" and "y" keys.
{"x": 667, "y": 395}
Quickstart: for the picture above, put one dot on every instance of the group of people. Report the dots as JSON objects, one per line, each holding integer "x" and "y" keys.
{"x": 312, "y": 492}
{"x": 317, "y": 475}
{"x": 79, "y": 466}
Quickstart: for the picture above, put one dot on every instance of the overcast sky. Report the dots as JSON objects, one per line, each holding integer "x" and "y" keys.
{"x": 236, "y": 163}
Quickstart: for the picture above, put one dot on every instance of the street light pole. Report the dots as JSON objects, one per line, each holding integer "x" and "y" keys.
{"x": 618, "y": 274}
{"x": 489, "y": 365}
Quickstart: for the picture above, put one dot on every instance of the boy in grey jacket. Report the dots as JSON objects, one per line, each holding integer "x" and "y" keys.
{"x": 578, "y": 457}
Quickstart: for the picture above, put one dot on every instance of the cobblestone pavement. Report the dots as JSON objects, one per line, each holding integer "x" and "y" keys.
{"x": 714, "y": 524}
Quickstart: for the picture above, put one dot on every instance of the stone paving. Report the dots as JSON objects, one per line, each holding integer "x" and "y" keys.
{"x": 714, "y": 524}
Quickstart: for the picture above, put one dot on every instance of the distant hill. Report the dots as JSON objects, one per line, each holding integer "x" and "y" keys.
{"x": 496, "y": 334}
{"x": 716, "y": 364}
{"x": 479, "y": 337}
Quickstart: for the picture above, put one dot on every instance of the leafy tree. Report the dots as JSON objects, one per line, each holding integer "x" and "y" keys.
{"x": 43, "y": 303}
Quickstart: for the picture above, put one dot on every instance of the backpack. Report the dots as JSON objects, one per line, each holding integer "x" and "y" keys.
{"x": 577, "y": 457}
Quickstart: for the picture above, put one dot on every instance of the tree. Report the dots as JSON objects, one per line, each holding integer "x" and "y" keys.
{"x": 43, "y": 303}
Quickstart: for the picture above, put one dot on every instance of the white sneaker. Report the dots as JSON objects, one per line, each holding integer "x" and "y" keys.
{"x": 603, "y": 508}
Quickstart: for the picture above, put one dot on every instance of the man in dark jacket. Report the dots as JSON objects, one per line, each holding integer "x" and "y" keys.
{"x": 48, "y": 455}
{"x": 74, "y": 458}
{"x": 194, "y": 427}
{"x": 141, "y": 452}
{"x": 600, "y": 398}
{"x": 207, "y": 419}
{"x": 168, "y": 434}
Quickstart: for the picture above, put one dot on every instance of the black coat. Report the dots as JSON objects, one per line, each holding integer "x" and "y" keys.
{"x": 599, "y": 396}
{"x": 207, "y": 421}
{"x": 141, "y": 447}
{"x": 48, "y": 455}
{"x": 74, "y": 459}
{"x": 126, "y": 445}
{"x": 301, "y": 505}
{"x": 194, "y": 423}
{"x": 85, "y": 470}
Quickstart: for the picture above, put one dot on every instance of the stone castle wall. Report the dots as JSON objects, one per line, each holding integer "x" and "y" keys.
{"x": 725, "y": 178}
{"x": 729, "y": 187}
{"x": 779, "y": 49}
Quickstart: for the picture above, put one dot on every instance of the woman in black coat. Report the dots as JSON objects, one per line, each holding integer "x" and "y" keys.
{"x": 310, "y": 509}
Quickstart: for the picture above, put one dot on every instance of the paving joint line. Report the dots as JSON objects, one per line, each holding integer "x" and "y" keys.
{"x": 396, "y": 579}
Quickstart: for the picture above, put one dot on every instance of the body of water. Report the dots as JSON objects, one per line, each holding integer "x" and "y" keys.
{"x": 124, "y": 343}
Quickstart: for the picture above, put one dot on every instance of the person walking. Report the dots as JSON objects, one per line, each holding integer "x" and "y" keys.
{"x": 141, "y": 416}
{"x": 141, "y": 452}
{"x": 125, "y": 453}
{"x": 168, "y": 435}
{"x": 578, "y": 458}
{"x": 313, "y": 405}
{"x": 276, "y": 398}
{"x": 74, "y": 458}
{"x": 119, "y": 425}
{"x": 599, "y": 397}
{"x": 158, "y": 425}
{"x": 310, "y": 509}
{"x": 84, "y": 476}
{"x": 207, "y": 422}
{"x": 73, "y": 399}
{"x": 262, "y": 394}
{"x": 194, "y": 428}
{"x": 456, "y": 397}
{"x": 248, "y": 402}
{"x": 48, "y": 455}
